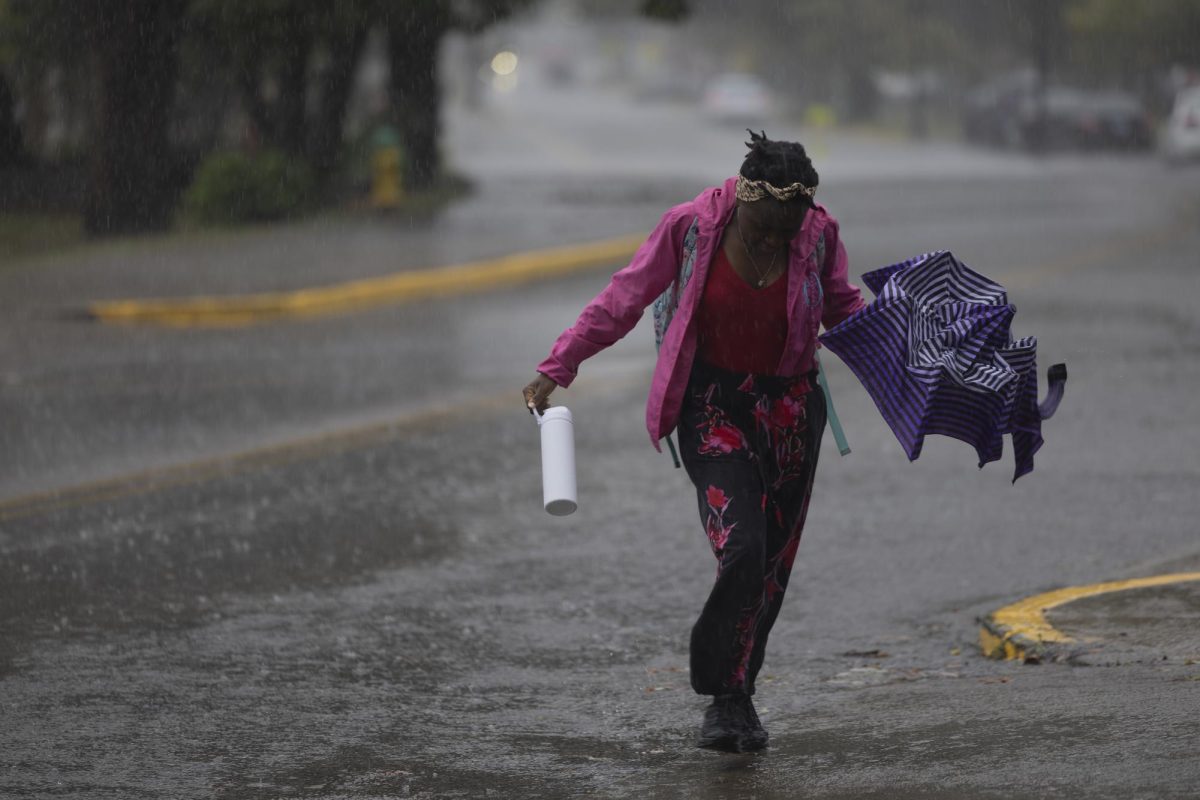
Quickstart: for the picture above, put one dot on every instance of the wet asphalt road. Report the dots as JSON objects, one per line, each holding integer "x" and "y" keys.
{"x": 377, "y": 606}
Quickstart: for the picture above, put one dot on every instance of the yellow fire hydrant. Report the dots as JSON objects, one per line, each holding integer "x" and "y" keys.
{"x": 386, "y": 185}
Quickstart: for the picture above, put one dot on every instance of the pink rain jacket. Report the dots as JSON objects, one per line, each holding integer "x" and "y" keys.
{"x": 817, "y": 293}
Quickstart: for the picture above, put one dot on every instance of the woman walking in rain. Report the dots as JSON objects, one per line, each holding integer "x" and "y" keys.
{"x": 741, "y": 278}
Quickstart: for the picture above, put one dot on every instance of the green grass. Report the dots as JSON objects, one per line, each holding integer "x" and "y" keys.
{"x": 447, "y": 190}
{"x": 25, "y": 235}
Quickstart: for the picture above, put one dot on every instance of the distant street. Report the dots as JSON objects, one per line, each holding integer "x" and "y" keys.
{"x": 308, "y": 559}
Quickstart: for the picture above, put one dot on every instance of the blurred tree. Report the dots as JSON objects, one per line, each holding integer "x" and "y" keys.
{"x": 135, "y": 45}
{"x": 11, "y": 147}
{"x": 10, "y": 134}
{"x": 1035, "y": 32}
{"x": 293, "y": 62}
{"x": 1048, "y": 44}
{"x": 1127, "y": 43}
{"x": 414, "y": 34}
{"x": 666, "y": 10}
{"x": 831, "y": 51}
{"x": 40, "y": 52}
{"x": 126, "y": 51}
{"x": 415, "y": 29}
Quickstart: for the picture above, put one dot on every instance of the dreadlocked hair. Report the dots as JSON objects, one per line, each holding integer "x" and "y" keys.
{"x": 778, "y": 163}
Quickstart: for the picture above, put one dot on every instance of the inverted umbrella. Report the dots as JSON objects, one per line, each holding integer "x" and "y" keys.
{"x": 935, "y": 353}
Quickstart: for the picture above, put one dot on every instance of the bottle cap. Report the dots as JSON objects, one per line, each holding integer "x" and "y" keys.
{"x": 553, "y": 413}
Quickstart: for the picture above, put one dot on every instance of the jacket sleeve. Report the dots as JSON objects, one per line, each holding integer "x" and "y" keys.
{"x": 842, "y": 298}
{"x": 616, "y": 310}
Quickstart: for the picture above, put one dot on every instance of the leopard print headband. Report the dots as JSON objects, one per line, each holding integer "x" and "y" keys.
{"x": 751, "y": 190}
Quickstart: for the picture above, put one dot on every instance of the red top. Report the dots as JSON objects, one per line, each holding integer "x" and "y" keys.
{"x": 742, "y": 329}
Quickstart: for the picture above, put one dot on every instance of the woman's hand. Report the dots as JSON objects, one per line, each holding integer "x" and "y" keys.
{"x": 537, "y": 393}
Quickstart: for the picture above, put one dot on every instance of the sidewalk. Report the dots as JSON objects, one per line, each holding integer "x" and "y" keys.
{"x": 492, "y": 222}
{"x": 548, "y": 171}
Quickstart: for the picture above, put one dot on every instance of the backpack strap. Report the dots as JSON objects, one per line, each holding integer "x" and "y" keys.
{"x": 835, "y": 425}
{"x": 667, "y": 303}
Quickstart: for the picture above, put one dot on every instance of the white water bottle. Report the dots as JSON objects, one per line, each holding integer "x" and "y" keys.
{"x": 558, "y": 460}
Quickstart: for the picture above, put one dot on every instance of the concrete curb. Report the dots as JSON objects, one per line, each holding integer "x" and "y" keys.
{"x": 341, "y": 298}
{"x": 1021, "y": 631}
{"x": 368, "y": 293}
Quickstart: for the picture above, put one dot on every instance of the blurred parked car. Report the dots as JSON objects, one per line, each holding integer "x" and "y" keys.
{"x": 1005, "y": 113}
{"x": 1108, "y": 120}
{"x": 1181, "y": 136}
{"x": 665, "y": 85}
{"x": 738, "y": 97}
{"x": 990, "y": 111}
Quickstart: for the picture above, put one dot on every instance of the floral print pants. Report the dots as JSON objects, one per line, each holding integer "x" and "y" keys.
{"x": 750, "y": 445}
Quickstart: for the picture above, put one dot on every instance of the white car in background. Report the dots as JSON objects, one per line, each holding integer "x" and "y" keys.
{"x": 738, "y": 97}
{"x": 1181, "y": 136}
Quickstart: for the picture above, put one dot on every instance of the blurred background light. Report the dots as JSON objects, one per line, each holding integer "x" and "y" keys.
{"x": 504, "y": 62}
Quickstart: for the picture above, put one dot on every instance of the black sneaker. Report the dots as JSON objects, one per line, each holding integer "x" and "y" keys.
{"x": 723, "y": 726}
{"x": 754, "y": 735}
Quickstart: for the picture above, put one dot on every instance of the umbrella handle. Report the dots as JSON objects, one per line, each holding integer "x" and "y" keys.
{"x": 674, "y": 454}
{"x": 1056, "y": 378}
{"x": 835, "y": 425}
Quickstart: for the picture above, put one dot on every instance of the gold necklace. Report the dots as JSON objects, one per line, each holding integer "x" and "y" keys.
{"x": 762, "y": 276}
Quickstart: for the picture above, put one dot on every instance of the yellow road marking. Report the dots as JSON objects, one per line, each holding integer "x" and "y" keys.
{"x": 1016, "y": 627}
{"x": 240, "y": 310}
{"x": 370, "y": 292}
{"x": 356, "y": 295}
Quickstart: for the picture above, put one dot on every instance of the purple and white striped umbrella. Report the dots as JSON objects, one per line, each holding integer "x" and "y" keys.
{"x": 935, "y": 353}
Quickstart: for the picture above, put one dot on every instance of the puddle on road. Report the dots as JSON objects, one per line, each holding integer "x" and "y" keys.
{"x": 172, "y": 559}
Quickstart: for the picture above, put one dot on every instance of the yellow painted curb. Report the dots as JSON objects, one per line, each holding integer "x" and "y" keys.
{"x": 1021, "y": 630}
{"x": 370, "y": 292}
{"x": 230, "y": 311}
